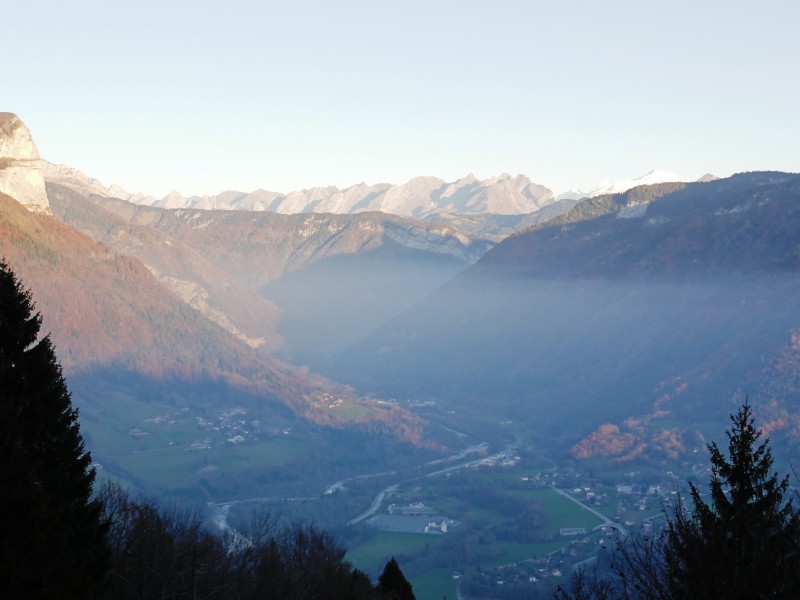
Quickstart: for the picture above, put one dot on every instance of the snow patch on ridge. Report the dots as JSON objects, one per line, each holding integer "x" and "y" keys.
{"x": 632, "y": 212}
{"x": 623, "y": 185}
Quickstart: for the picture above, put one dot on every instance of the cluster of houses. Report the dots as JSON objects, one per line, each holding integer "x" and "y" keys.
{"x": 528, "y": 572}
{"x": 325, "y": 400}
{"x": 231, "y": 426}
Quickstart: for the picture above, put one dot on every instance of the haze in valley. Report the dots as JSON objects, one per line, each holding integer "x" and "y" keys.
{"x": 455, "y": 282}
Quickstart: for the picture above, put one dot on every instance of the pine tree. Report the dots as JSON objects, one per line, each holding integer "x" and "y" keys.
{"x": 393, "y": 585}
{"x": 744, "y": 543}
{"x": 52, "y": 535}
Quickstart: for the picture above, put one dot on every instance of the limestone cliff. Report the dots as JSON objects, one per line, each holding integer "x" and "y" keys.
{"x": 20, "y": 166}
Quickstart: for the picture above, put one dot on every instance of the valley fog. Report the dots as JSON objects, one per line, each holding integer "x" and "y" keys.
{"x": 458, "y": 398}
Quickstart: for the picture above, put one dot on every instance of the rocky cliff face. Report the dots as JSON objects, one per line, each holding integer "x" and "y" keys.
{"x": 73, "y": 179}
{"x": 20, "y": 167}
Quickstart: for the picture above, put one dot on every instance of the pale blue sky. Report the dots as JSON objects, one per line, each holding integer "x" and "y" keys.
{"x": 204, "y": 96}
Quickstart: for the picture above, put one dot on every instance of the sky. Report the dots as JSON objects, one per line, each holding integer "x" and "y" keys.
{"x": 207, "y": 96}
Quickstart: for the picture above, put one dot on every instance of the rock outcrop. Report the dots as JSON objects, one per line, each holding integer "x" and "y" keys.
{"x": 20, "y": 166}
{"x": 74, "y": 179}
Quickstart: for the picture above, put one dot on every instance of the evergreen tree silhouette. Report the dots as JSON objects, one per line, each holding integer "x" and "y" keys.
{"x": 392, "y": 584}
{"x": 744, "y": 543}
{"x": 52, "y": 534}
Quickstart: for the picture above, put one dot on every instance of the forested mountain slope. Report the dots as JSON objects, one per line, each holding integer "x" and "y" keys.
{"x": 133, "y": 351}
{"x": 645, "y": 311}
{"x": 334, "y": 278}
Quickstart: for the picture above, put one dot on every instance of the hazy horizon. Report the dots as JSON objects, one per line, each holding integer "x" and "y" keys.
{"x": 201, "y": 100}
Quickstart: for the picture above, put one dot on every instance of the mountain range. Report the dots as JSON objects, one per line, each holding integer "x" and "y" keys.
{"x": 418, "y": 198}
{"x": 235, "y": 266}
{"x": 147, "y": 329}
{"x": 623, "y": 185}
{"x": 421, "y": 198}
{"x": 615, "y": 327}
{"x": 619, "y": 329}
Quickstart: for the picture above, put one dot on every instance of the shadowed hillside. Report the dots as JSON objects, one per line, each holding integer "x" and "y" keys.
{"x": 336, "y": 278}
{"x": 645, "y": 311}
{"x": 183, "y": 270}
{"x": 260, "y": 247}
{"x": 135, "y": 354}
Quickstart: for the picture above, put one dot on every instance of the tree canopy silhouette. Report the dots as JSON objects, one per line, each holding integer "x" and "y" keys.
{"x": 52, "y": 535}
{"x": 393, "y": 585}
{"x": 744, "y": 543}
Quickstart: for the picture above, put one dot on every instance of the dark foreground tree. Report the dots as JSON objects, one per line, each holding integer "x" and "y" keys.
{"x": 393, "y": 585}
{"x": 52, "y": 536}
{"x": 743, "y": 544}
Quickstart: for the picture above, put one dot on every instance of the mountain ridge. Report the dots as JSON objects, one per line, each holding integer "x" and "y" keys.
{"x": 659, "y": 305}
{"x": 419, "y": 197}
{"x": 619, "y": 186}
{"x": 332, "y": 277}
{"x": 108, "y": 313}
{"x": 259, "y": 247}
{"x": 189, "y": 275}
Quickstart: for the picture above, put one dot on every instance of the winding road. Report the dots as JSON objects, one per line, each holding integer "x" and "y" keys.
{"x": 606, "y": 521}
{"x": 376, "y": 504}
{"x": 388, "y": 491}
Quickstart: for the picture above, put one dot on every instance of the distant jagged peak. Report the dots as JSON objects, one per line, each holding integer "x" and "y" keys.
{"x": 174, "y": 199}
{"x": 469, "y": 181}
{"x": 422, "y": 182}
{"x": 117, "y": 191}
{"x": 418, "y": 197}
{"x": 74, "y": 179}
{"x": 505, "y": 177}
{"x": 20, "y": 165}
{"x": 86, "y": 186}
{"x": 707, "y": 177}
{"x": 468, "y": 178}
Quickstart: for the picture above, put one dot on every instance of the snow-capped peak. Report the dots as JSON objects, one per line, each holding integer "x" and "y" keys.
{"x": 622, "y": 185}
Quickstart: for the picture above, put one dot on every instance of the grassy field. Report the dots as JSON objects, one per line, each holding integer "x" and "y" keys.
{"x": 435, "y": 585}
{"x": 372, "y": 555}
{"x": 563, "y": 512}
{"x": 438, "y": 583}
{"x": 136, "y": 441}
{"x": 456, "y": 508}
{"x": 609, "y": 509}
{"x": 514, "y": 552}
{"x": 174, "y": 465}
